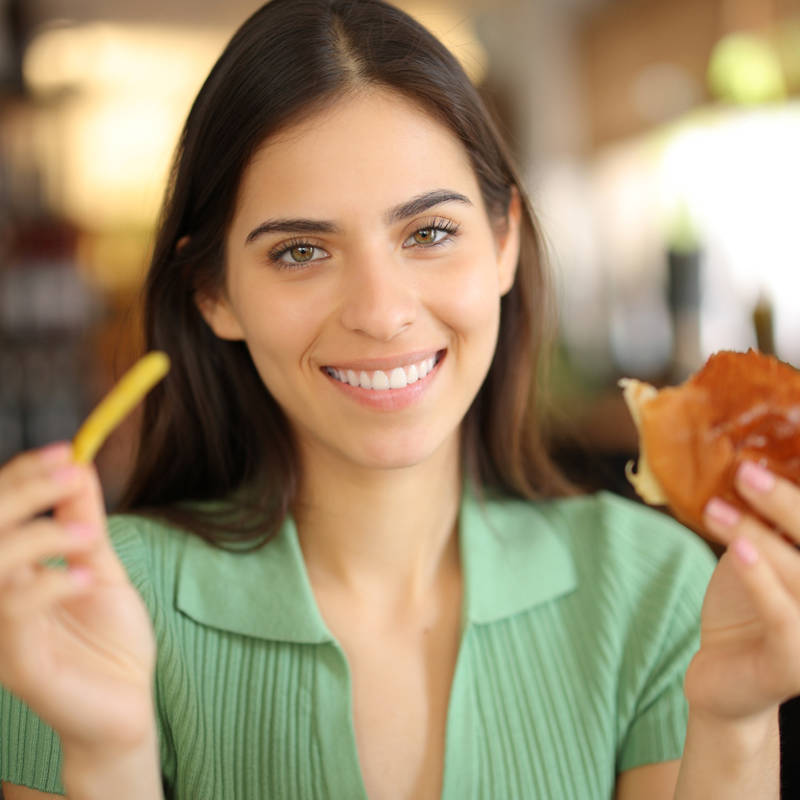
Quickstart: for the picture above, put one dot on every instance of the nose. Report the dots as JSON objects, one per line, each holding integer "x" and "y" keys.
{"x": 379, "y": 297}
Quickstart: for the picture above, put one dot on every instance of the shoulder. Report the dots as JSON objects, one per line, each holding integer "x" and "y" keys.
{"x": 620, "y": 550}
{"x": 137, "y": 538}
{"x": 605, "y": 527}
{"x": 151, "y": 551}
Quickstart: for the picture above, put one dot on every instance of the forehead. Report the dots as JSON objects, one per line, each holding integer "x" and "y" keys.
{"x": 374, "y": 148}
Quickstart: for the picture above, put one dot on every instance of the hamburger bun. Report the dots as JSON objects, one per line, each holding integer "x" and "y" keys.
{"x": 693, "y": 437}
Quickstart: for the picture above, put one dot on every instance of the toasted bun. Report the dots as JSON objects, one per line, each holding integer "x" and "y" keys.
{"x": 692, "y": 437}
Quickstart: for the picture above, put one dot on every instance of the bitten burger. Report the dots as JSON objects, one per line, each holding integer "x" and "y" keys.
{"x": 692, "y": 437}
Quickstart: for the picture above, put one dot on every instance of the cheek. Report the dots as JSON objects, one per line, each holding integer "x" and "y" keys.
{"x": 278, "y": 330}
{"x": 471, "y": 303}
{"x": 274, "y": 317}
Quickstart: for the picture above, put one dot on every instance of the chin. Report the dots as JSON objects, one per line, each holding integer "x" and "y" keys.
{"x": 400, "y": 452}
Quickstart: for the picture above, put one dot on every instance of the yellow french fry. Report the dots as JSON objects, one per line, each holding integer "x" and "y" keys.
{"x": 118, "y": 403}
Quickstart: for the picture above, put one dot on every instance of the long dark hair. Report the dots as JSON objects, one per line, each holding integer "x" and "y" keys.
{"x": 216, "y": 453}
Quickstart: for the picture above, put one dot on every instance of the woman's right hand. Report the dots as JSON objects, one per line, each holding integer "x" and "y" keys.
{"x": 77, "y": 643}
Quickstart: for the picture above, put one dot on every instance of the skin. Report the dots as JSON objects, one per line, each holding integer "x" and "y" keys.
{"x": 377, "y": 510}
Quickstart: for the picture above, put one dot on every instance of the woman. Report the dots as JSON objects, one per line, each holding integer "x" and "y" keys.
{"x": 352, "y": 571}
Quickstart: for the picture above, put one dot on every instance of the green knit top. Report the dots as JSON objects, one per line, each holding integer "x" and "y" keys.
{"x": 579, "y": 619}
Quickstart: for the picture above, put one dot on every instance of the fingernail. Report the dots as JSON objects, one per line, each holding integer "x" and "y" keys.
{"x": 746, "y": 552}
{"x": 80, "y": 530}
{"x": 65, "y": 474}
{"x": 81, "y": 575}
{"x": 54, "y": 453}
{"x": 756, "y": 477}
{"x": 722, "y": 513}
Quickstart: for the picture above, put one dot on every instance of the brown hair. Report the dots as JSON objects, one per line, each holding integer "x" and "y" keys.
{"x": 212, "y": 431}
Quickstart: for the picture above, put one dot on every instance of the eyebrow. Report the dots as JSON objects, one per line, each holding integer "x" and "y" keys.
{"x": 400, "y": 212}
{"x": 423, "y": 202}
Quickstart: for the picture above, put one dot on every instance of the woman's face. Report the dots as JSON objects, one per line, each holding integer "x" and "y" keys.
{"x": 365, "y": 278}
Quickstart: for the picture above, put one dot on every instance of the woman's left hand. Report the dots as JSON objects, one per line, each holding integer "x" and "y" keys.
{"x": 749, "y": 657}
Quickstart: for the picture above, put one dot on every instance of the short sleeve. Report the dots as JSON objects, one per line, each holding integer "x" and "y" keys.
{"x": 657, "y": 729}
{"x": 30, "y": 751}
{"x": 662, "y": 639}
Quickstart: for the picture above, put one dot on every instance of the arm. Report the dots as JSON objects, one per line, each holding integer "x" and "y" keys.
{"x": 132, "y": 773}
{"x": 718, "y": 761}
{"x": 746, "y": 664}
{"x": 730, "y": 759}
{"x": 79, "y": 647}
{"x": 653, "y": 781}
{"x": 749, "y": 646}
{"x": 11, "y": 792}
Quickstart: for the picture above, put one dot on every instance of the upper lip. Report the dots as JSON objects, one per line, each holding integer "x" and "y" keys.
{"x": 386, "y": 363}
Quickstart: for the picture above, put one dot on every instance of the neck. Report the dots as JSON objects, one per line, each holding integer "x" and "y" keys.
{"x": 380, "y": 533}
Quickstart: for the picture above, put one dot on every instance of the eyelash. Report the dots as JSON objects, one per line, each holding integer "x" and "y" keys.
{"x": 277, "y": 253}
{"x": 435, "y": 224}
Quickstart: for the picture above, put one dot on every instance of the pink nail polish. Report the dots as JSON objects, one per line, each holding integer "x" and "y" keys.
{"x": 54, "y": 453}
{"x": 722, "y": 513}
{"x": 756, "y": 477}
{"x": 81, "y": 575}
{"x": 65, "y": 474}
{"x": 746, "y": 552}
{"x": 79, "y": 530}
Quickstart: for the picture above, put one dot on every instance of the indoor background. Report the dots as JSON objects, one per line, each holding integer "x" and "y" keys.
{"x": 659, "y": 141}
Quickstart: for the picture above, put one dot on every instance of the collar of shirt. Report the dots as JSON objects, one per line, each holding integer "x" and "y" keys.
{"x": 512, "y": 559}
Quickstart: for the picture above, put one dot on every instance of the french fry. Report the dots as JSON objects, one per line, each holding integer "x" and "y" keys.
{"x": 118, "y": 403}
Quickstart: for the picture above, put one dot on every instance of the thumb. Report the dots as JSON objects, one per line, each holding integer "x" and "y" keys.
{"x": 87, "y": 507}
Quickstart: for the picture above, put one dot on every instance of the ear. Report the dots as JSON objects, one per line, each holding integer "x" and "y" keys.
{"x": 217, "y": 311}
{"x": 508, "y": 241}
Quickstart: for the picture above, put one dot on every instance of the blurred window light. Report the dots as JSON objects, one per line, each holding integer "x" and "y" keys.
{"x": 722, "y": 182}
{"x": 120, "y": 58}
{"x": 736, "y": 173}
{"x": 123, "y": 94}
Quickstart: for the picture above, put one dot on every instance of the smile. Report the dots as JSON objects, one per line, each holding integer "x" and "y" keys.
{"x": 382, "y": 380}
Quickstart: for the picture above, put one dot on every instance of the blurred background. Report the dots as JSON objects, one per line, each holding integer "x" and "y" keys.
{"x": 658, "y": 139}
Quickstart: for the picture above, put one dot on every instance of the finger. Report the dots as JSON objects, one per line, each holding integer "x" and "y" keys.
{"x": 777, "y": 499}
{"x": 49, "y": 587}
{"x": 726, "y": 523}
{"x": 32, "y": 463}
{"x": 36, "y": 462}
{"x": 39, "y": 540}
{"x": 86, "y": 506}
{"x": 776, "y": 608}
{"x": 26, "y": 492}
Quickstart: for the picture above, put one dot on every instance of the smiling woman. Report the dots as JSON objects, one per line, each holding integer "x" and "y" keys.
{"x": 347, "y": 566}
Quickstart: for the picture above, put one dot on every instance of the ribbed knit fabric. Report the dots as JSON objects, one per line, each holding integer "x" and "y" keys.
{"x": 580, "y": 618}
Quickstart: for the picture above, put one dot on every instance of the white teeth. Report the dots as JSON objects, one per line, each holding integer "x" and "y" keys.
{"x": 380, "y": 380}
{"x": 398, "y": 378}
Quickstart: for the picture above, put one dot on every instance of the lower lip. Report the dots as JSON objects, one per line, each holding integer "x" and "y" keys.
{"x": 389, "y": 399}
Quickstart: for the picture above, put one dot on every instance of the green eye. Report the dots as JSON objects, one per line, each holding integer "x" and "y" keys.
{"x": 431, "y": 235}
{"x": 296, "y": 254}
{"x": 302, "y": 253}
{"x": 425, "y": 236}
